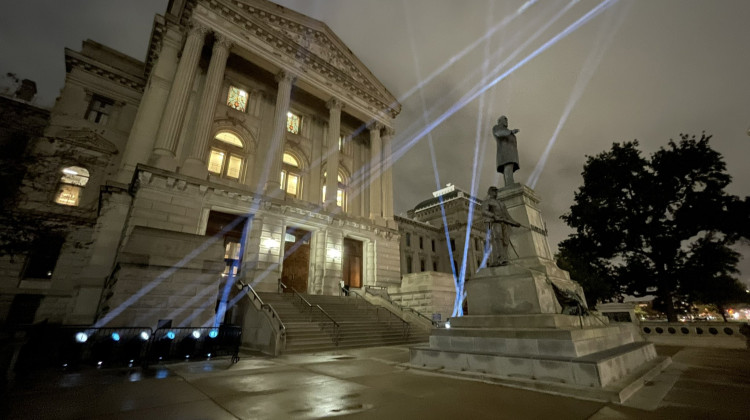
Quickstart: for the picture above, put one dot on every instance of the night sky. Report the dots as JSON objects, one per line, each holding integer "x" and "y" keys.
{"x": 639, "y": 69}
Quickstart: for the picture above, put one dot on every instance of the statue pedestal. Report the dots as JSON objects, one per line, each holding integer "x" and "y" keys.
{"x": 515, "y": 333}
{"x": 518, "y": 289}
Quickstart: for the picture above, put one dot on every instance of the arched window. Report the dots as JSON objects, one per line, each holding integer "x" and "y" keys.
{"x": 72, "y": 181}
{"x": 226, "y": 156}
{"x": 290, "y": 177}
{"x": 340, "y": 191}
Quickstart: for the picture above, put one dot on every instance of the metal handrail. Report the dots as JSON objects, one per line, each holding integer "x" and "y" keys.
{"x": 405, "y": 324}
{"x": 266, "y": 306}
{"x": 307, "y": 305}
{"x": 402, "y": 308}
{"x": 281, "y": 286}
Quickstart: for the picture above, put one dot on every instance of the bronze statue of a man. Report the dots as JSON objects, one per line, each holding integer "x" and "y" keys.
{"x": 507, "y": 149}
{"x": 498, "y": 219}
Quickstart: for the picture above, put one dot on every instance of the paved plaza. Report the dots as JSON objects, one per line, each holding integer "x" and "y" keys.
{"x": 369, "y": 383}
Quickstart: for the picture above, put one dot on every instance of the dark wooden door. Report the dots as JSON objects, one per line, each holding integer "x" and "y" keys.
{"x": 296, "y": 260}
{"x": 352, "y": 263}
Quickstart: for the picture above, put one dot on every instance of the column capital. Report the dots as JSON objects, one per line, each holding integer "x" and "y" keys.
{"x": 375, "y": 126}
{"x": 285, "y": 76}
{"x": 222, "y": 41}
{"x": 389, "y": 132}
{"x": 334, "y": 103}
{"x": 197, "y": 29}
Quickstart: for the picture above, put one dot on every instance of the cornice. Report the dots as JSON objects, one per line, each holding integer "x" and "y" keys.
{"x": 77, "y": 60}
{"x": 310, "y": 43}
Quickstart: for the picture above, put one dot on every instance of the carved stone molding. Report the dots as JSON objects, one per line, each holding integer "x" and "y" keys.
{"x": 375, "y": 126}
{"x": 285, "y": 76}
{"x": 334, "y": 103}
{"x": 222, "y": 40}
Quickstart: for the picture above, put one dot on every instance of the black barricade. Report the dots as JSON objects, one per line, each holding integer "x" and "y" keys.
{"x": 191, "y": 343}
{"x": 74, "y": 346}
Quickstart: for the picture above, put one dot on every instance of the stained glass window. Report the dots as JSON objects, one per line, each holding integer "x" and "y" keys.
{"x": 292, "y": 123}
{"x": 237, "y": 99}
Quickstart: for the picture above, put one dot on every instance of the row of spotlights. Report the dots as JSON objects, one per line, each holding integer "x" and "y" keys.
{"x": 82, "y": 337}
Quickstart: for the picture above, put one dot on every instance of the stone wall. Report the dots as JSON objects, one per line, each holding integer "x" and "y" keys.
{"x": 428, "y": 293}
{"x": 164, "y": 275}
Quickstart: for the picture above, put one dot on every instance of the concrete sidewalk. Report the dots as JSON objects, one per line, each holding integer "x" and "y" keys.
{"x": 368, "y": 384}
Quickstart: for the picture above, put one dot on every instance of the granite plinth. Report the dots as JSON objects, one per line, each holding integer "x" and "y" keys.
{"x": 522, "y": 287}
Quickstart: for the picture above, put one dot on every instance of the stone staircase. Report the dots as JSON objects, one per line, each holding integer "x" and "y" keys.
{"x": 361, "y": 323}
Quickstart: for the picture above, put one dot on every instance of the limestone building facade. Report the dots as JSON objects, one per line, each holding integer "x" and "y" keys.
{"x": 436, "y": 250}
{"x": 251, "y": 145}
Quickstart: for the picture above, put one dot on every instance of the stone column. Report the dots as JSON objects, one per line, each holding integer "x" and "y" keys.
{"x": 163, "y": 155}
{"x": 146, "y": 123}
{"x": 376, "y": 157}
{"x": 332, "y": 164}
{"x": 195, "y": 165}
{"x": 276, "y": 147}
{"x": 387, "y": 175}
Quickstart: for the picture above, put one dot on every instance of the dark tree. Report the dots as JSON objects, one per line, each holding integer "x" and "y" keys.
{"x": 651, "y": 226}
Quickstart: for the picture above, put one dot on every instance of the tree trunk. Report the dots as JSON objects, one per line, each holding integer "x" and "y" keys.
{"x": 720, "y": 308}
{"x": 666, "y": 297}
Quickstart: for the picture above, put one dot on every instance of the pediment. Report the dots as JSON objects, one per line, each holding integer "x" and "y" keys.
{"x": 309, "y": 42}
{"x": 84, "y": 138}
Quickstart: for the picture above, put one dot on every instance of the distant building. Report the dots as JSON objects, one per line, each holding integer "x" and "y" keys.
{"x": 435, "y": 249}
{"x": 251, "y": 145}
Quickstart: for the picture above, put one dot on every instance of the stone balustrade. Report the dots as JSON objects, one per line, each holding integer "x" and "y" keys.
{"x": 730, "y": 335}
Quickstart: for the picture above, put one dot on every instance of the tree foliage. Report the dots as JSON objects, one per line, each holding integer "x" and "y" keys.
{"x": 661, "y": 225}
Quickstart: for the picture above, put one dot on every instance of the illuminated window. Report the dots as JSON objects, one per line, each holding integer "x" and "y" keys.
{"x": 293, "y": 122}
{"x": 290, "y": 178}
{"x": 226, "y": 156}
{"x": 73, "y": 179}
{"x": 340, "y": 191}
{"x": 237, "y": 99}
{"x": 341, "y": 143}
{"x": 99, "y": 109}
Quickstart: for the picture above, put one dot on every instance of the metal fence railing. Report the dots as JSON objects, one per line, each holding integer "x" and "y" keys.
{"x": 72, "y": 346}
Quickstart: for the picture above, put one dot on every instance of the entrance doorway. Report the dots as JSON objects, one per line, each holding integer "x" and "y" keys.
{"x": 296, "y": 260}
{"x": 352, "y": 263}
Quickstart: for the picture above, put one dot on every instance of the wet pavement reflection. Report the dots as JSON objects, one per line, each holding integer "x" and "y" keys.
{"x": 366, "y": 383}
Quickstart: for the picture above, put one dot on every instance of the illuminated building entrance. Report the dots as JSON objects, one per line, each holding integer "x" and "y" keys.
{"x": 296, "y": 260}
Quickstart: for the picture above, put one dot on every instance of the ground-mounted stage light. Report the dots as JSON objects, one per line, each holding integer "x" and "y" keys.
{"x": 81, "y": 337}
{"x": 447, "y": 324}
{"x": 170, "y": 335}
{"x": 115, "y": 336}
{"x": 213, "y": 333}
{"x": 144, "y": 335}
{"x": 196, "y": 334}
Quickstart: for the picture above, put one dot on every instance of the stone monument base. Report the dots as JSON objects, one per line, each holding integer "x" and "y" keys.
{"x": 548, "y": 352}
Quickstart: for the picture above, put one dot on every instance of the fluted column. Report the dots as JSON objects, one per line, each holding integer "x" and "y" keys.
{"x": 376, "y": 159}
{"x": 276, "y": 149}
{"x": 387, "y": 175}
{"x": 332, "y": 164}
{"x": 142, "y": 137}
{"x": 195, "y": 165}
{"x": 163, "y": 155}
